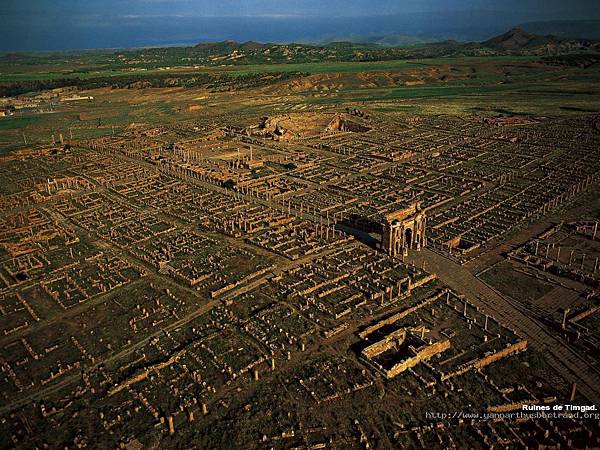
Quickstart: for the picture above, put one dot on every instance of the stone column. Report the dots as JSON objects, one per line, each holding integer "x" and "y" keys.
{"x": 564, "y": 321}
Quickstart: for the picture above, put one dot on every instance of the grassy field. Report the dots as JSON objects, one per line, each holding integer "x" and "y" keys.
{"x": 462, "y": 86}
{"x": 420, "y": 92}
{"x": 8, "y": 77}
{"x": 515, "y": 284}
{"x": 7, "y": 73}
{"x": 330, "y": 67}
{"x": 354, "y": 67}
{"x": 9, "y": 123}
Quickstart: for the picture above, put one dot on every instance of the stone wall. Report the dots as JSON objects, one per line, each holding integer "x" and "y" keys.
{"x": 422, "y": 355}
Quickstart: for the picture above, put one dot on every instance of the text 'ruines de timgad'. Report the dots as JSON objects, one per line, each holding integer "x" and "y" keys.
{"x": 581, "y": 408}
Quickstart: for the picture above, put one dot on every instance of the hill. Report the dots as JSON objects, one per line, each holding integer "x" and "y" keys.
{"x": 517, "y": 39}
{"x": 231, "y": 52}
{"x": 219, "y": 48}
{"x": 520, "y": 42}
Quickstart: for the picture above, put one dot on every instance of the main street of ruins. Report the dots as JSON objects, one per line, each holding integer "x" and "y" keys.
{"x": 319, "y": 279}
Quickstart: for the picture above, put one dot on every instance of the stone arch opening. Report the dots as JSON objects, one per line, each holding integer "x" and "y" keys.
{"x": 408, "y": 233}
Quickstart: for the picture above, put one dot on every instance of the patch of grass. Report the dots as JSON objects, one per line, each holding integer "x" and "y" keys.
{"x": 515, "y": 284}
{"x": 239, "y": 70}
{"x": 328, "y": 67}
{"x": 403, "y": 92}
{"x": 10, "y": 123}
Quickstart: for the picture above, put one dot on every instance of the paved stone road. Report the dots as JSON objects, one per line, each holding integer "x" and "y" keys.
{"x": 567, "y": 362}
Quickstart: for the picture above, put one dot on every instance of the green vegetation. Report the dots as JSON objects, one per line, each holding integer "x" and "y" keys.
{"x": 188, "y": 80}
{"x": 229, "y": 184}
{"x": 483, "y": 85}
{"x": 9, "y": 123}
{"x": 327, "y": 67}
{"x": 515, "y": 284}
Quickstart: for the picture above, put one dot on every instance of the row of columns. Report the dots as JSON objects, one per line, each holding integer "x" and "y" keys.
{"x": 557, "y": 259}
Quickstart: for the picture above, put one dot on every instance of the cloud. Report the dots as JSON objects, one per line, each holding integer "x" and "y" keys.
{"x": 165, "y": 1}
{"x": 152, "y": 16}
{"x": 43, "y": 24}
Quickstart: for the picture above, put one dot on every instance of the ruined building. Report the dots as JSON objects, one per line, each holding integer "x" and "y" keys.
{"x": 404, "y": 230}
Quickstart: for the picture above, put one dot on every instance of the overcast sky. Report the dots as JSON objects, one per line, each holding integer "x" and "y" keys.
{"x": 57, "y": 24}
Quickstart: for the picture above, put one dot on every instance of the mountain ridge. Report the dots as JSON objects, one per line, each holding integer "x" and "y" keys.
{"x": 513, "y": 39}
{"x": 516, "y": 41}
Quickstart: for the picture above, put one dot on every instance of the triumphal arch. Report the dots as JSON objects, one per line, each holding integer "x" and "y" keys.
{"x": 404, "y": 230}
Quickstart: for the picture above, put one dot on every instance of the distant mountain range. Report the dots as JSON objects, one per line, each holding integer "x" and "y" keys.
{"x": 517, "y": 41}
{"x": 384, "y": 40}
{"x": 565, "y": 29}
